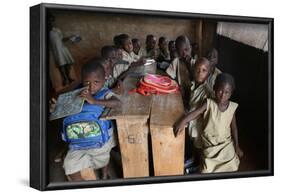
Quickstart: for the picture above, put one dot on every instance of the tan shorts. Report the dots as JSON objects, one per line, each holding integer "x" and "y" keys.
{"x": 95, "y": 158}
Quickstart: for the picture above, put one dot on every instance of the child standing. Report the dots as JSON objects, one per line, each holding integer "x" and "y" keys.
{"x": 180, "y": 68}
{"x": 198, "y": 93}
{"x": 62, "y": 55}
{"x": 212, "y": 56}
{"x": 220, "y": 147}
{"x": 90, "y": 139}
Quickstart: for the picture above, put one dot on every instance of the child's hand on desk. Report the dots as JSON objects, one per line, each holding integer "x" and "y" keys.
{"x": 179, "y": 127}
{"x": 52, "y": 105}
{"x": 86, "y": 95}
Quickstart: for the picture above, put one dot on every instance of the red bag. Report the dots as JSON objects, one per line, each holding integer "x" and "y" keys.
{"x": 156, "y": 84}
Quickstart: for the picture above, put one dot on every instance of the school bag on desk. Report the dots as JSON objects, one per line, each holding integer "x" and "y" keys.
{"x": 156, "y": 84}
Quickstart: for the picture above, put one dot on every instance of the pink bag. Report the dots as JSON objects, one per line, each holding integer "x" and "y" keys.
{"x": 156, "y": 84}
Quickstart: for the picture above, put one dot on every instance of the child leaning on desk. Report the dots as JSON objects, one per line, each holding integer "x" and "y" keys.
{"x": 219, "y": 137}
{"x": 128, "y": 58}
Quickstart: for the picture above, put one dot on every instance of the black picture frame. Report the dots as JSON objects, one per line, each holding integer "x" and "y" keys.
{"x": 39, "y": 101}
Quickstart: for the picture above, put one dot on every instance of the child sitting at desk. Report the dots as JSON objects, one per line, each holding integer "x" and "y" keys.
{"x": 219, "y": 137}
{"x": 163, "y": 50}
{"x": 90, "y": 139}
{"x": 128, "y": 58}
{"x": 108, "y": 54}
{"x": 120, "y": 65}
{"x": 163, "y": 55}
{"x": 137, "y": 49}
{"x": 111, "y": 82}
{"x": 172, "y": 50}
{"x": 150, "y": 50}
{"x": 127, "y": 51}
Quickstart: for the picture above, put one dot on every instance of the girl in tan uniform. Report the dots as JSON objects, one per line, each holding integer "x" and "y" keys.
{"x": 220, "y": 147}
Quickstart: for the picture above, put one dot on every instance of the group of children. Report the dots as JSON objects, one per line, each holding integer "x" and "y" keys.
{"x": 210, "y": 115}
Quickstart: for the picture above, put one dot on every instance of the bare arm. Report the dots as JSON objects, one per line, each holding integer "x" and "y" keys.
{"x": 112, "y": 102}
{"x": 234, "y": 133}
{"x": 189, "y": 117}
{"x": 140, "y": 62}
{"x": 131, "y": 68}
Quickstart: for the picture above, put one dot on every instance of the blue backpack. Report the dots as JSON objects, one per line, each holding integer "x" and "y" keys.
{"x": 95, "y": 134}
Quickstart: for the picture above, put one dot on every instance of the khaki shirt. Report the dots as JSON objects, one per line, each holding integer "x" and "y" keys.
{"x": 129, "y": 57}
{"x": 196, "y": 98}
{"x": 218, "y": 148}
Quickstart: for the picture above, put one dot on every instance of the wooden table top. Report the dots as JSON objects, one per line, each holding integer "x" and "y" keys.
{"x": 134, "y": 105}
{"x": 163, "y": 110}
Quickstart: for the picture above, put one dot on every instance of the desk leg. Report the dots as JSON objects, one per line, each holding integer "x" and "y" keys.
{"x": 133, "y": 143}
{"x": 168, "y": 151}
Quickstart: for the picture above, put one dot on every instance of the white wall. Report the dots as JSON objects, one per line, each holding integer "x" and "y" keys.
{"x": 14, "y": 75}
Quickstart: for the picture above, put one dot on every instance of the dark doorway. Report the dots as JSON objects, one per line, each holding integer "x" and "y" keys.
{"x": 249, "y": 66}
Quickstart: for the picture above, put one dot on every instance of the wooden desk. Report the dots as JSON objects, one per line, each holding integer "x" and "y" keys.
{"x": 131, "y": 119}
{"x": 168, "y": 151}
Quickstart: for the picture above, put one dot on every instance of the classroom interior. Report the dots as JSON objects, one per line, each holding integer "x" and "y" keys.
{"x": 247, "y": 64}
